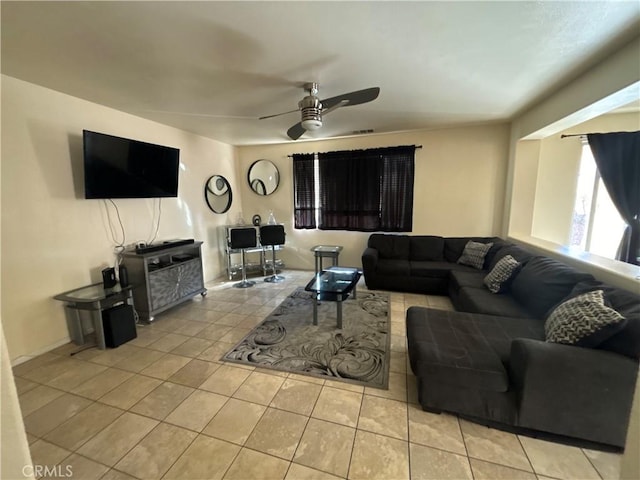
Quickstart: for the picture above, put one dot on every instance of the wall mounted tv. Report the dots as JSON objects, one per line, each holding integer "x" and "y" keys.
{"x": 116, "y": 167}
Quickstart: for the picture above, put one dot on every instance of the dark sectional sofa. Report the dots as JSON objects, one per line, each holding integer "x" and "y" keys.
{"x": 489, "y": 360}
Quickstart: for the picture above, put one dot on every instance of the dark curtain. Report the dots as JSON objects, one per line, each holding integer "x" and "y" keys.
{"x": 396, "y": 212}
{"x": 303, "y": 191}
{"x": 349, "y": 190}
{"x": 367, "y": 190}
{"x": 617, "y": 156}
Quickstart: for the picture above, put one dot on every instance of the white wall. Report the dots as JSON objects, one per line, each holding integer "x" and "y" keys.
{"x": 458, "y": 191}
{"x": 524, "y": 186}
{"x": 610, "y": 84}
{"x": 14, "y": 453}
{"x": 556, "y": 182}
{"x": 544, "y": 185}
{"x": 53, "y": 240}
{"x": 555, "y": 189}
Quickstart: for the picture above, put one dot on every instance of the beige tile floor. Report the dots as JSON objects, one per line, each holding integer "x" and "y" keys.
{"x": 163, "y": 406}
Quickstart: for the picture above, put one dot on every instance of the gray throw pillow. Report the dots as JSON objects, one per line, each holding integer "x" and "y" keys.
{"x": 498, "y": 278}
{"x": 474, "y": 253}
{"x": 583, "y": 321}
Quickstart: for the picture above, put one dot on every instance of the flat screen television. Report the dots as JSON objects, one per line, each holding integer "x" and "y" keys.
{"x": 116, "y": 167}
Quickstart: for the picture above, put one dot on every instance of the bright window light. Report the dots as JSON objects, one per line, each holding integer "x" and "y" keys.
{"x": 596, "y": 226}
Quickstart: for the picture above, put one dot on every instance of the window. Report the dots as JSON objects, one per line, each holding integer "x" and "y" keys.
{"x": 361, "y": 190}
{"x": 596, "y": 226}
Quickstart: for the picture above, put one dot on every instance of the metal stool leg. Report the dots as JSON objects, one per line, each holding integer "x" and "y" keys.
{"x": 275, "y": 278}
{"x": 244, "y": 283}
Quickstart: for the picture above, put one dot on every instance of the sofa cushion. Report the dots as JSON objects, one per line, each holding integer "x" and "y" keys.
{"x": 584, "y": 321}
{"x": 457, "y": 348}
{"x": 627, "y": 341}
{"x": 499, "y": 278}
{"x": 474, "y": 254}
{"x": 519, "y": 253}
{"x": 436, "y": 269}
{"x": 481, "y": 300}
{"x": 427, "y": 247}
{"x": 393, "y": 267}
{"x": 543, "y": 283}
{"x": 460, "y": 279}
{"x": 453, "y": 246}
{"x": 390, "y": 246}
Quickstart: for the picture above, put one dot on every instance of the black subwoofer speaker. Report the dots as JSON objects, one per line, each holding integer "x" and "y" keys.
{"x": 119, "y": 325}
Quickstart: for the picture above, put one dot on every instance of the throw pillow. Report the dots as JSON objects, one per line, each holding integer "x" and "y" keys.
{"x": 498, "y": 278}
{"x": 474, "y": 253}
{"x": 584, "y": 321}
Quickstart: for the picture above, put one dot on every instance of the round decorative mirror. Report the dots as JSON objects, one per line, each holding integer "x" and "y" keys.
{"x": 217, "y": 193}
{"x": 263, "y": 177}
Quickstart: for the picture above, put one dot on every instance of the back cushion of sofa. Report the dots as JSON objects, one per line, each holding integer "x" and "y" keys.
{"x": 427, "y": 248}
{"x": 454, "y": 246}
{"x": 543, "y": 283}
{"x": 519, "y": 253}
{"x": 627, "y": 341}
{"x": 390, "y": 246}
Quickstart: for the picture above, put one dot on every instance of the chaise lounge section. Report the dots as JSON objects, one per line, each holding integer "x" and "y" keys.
{"x": 491, "y": 360}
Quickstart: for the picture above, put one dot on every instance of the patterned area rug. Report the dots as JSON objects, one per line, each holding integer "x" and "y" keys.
{"x": 287, "y": 340}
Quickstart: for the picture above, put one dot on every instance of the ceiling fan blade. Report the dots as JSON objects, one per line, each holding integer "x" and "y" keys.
{"x": 278, "y": 114}
{"x": 296, "y": 131}
{"x": 342, "y": 103}
{"x": 352, "y": 98}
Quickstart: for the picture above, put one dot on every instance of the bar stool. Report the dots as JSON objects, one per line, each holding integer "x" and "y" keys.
{"x": 272, "y": 235}
{"x": 240, "y": 239}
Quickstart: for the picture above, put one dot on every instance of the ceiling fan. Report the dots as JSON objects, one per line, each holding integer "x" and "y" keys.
{"x": 313, "y": 109}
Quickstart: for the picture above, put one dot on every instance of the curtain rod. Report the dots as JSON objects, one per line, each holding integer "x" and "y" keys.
{"x": 574, "y": 135}
{"x": 417, "y": 146}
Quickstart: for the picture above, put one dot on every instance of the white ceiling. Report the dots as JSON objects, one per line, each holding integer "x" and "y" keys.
{"x": 214, "y": 67}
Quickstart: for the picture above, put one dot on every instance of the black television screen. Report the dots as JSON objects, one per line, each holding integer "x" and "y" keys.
{"x": 116, "y": 167}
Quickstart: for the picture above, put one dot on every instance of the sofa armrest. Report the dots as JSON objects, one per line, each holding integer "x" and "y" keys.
{"x": 369, "y": 262}
{"x": 572, "y": 390}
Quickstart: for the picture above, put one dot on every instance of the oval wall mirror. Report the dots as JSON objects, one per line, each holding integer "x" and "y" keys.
{"x": 263, "y": 177}
{"x": 217, "y": 193}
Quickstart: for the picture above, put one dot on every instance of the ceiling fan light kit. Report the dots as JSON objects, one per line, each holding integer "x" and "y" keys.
{"x": 311, "y": 108}
{"x": 311, "y": 121}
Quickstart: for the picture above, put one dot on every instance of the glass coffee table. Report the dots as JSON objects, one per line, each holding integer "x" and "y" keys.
{"x": 334, "y": 284}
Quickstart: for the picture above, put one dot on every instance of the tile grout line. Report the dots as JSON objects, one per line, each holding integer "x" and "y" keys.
{"x": 304, "y": 430}
{"x": 250, "y": 433}
{"x": 356, "y": 429}
{"x": 76, "y": 450}
{"x": 533, "y": 468}
{"x": 592, "y": 464}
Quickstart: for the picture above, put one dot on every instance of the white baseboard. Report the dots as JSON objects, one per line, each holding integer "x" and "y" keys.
{"x": 25, "y": 358}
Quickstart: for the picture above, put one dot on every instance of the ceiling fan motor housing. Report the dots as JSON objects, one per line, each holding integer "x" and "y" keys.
{"x": 311, "y": 109}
